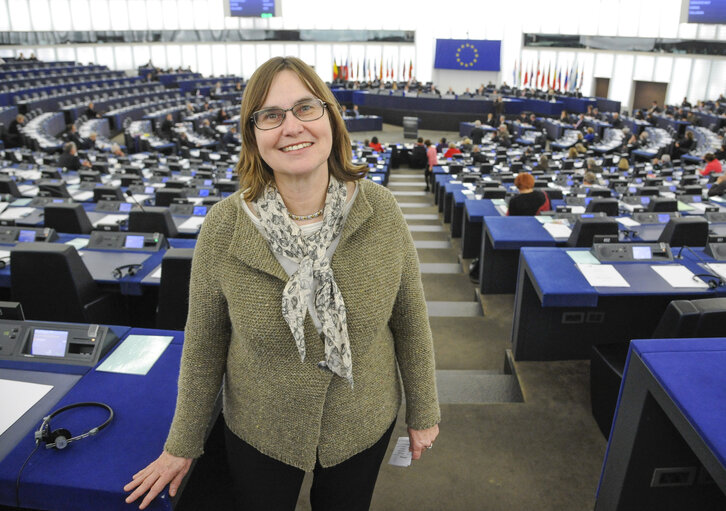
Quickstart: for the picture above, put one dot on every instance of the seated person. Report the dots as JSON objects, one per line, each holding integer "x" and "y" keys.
{"x": 589, "y": 179}
{"x": 616, "y": 121}
{"x": 165, "y": 129}
{"x": 354, "y": 112}
{"x": 623, "y": 164}
{"x": 222, "y": 116}
{"x": 713, "y": 166}
{"x": 663, "y": 163}
{"x": 502, "y": 137}
{"x": 418, "y": 158}
{"x": 466, "y": 145}
{"x": 477, "y": 155}
{"x": 592, "y": 166}
{"x": 230, "y": 138}
{"x": 528, "y": 202}
{"x": 91, "y": 112}
{"x": 477, "y": 133}
{"x": 206, "y": 129}
{"x": 720, "y": 154}
{"x": 375, "y": 145}
{"x": 452, "y": 150}
{"x": 589, "y": 137}
{"x": 684, "y": 145}
{"x": 13, "y": 137}
{"x": 719, "y": 187}
{"x": 116, "y": 151}
{"x": 69, "y": 158}
{"x": 543, "y": 163}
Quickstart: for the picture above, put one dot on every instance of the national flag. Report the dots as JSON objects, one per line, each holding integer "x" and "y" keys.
{"x": 582, "y": 78}
{"x": 549, "y": 76}
{"x": 526, "y": 77}
{"x": 410, "y": 68}
{"x": 380, "y": 71}
{"x": 559, "y": 77}
{"x": 335, "y": 70}
{"x": 567, "y": 76}
{"x": 357, "y": 69}
{"x": 514, "y": 74}
{"x": 536, "y": 80}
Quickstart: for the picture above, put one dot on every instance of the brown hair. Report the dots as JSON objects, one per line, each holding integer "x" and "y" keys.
{"x": 709, "y": 156}
{"x": 254, "y": 173}
{"x": 524, "y": 181}
{"x": 623, "y": 164}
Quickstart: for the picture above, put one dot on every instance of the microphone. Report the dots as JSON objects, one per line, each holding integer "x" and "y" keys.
{"x": 131, "y": 194}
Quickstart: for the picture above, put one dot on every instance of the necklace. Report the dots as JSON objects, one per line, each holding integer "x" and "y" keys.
{"x": 306, "y": 217}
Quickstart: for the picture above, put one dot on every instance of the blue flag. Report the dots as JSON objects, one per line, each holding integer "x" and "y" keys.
{"x": 468, "y": 54}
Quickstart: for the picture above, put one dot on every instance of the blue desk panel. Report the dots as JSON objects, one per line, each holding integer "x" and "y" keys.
{"x": 670, "y": 414}
{"x": 91, "y": 473}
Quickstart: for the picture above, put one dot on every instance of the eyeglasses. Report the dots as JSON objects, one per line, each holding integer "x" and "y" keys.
{"x": 271, "y": 118}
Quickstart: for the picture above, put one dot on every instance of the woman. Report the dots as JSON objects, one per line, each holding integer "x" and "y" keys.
{"x": 528, "y": 202}
{"x": 452, "y": 150}
{"x": 310, "y": 345}
{"x": 713, "y": 166}
{"x": 432, "y": 159}
{"x": 375, "y": 145}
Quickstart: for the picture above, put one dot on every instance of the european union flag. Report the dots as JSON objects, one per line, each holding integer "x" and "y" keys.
{"x": 468, "y": 54}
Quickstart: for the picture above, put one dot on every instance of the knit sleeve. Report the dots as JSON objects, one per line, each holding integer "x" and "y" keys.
{"x": 414, "y": 343}
{"x": 206, "y": 340}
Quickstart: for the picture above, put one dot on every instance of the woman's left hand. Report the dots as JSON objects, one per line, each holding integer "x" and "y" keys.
{"x": 421, "y": 439}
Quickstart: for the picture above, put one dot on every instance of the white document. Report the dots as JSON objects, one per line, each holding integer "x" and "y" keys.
{"x": 401, "y": 456}
{"x": 557, "y": 230}
{"x": 15, "y": 213}
{"x": 718, "y": 268}
{"x": 192, "y": 223}
{"x": 4, "y": 206}
{"x": 136, "y": 355}
{"x": 678, "y": 276}
{"x": 544, "y": 219}
{"x": 602, "y": 275}
{"x": 699, "y": 206}
{"x": 110, "y": 220}
{"x": 16, "y": 398}
{"x": 79, "y": 243}
{"x": 83, "y": 195}
{"x": 156, "y": 274}
{"x": 627, "y": 221}
{"x": 5, "y": 254}
{"x": 578, "y": 210}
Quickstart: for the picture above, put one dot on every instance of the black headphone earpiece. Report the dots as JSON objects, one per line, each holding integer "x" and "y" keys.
{"x": 59, "y": 438}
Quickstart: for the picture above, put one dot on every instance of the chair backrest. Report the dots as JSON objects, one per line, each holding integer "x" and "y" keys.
{"x": 587, "y": 228}
{"x": 494, "y": 193}
{"x": 67, "y": 217}
{"x": 165, "y": 196}
{"x": 607, "y": 206}
{"x": 107, "y": 193}
{"x": 8, "y": 185}
{"x": 662, "y": 204}
{"x": 153, "y": 219}
{"x": 176, "y": 268}
{"x": 51, "y": 282}
{"x": 692, "y": 318}
{"x": 691, "y": 231}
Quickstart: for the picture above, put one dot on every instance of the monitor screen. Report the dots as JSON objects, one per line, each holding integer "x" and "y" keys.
{"x": 149, "y": 190}
{"x": 641, "y": 253}
{"x": 204, "y": 192}
{"x": 696, "y": 198}
{"x": 26, "y": 236}
{"x": 252, "y": 8}
{"x": 57, "y": 201}
{"x": 200, "y": 210}
{"x": 587, "y": 215}
{"x": 631, "y": 189}
{"x": 664, "y": 219}
{"x": 124, "y": 206}
{"x": 207, "y": 182}
{"x": 645, "y": 199}
{"x": 134, "y": 241}
{"x": 49, "y": 343}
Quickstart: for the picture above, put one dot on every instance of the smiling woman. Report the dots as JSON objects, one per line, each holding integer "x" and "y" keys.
{"x": 306, "y": 301}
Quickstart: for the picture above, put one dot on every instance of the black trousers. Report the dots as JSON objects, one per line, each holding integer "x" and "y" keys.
{"x": 427, "y": 176}
{"x": 265, "y": 484}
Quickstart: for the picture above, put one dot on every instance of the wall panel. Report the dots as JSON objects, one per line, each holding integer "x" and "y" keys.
{"x": 621, "y": 83}
{"x": 41, "y": 15}
{"x": 678, "y": 88}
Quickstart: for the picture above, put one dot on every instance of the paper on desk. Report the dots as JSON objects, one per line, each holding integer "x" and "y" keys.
{"x": 718, "y": 268}
{"x": 602, "y": 275}
{"x": 136, "y": 355}
{"x": 698, "y": 206}
{"x": 156, "y": 274}
{"x": 192, "y": 223}
{"x": 627, "y": 221}
{"x": 557, "y": 230}
{"x": 682, "y": 206}
{"x": 15, "y": 213}
{"x": 544, "y": 219}
{"x": 79, "y": 243}
{"x": 110, "y": 220}
{"x": 678, "y": 276}
{"x": 578, "y": 210}
{"x": 83, "y": 195}
{"x": 582, "y": 257}
{"x": 31, "y": 190}
{"x": 16, "y": 398}
{"x": 3, "y": 206}
{"x": 401, "y": 456}
{"x": 499, "y": 202}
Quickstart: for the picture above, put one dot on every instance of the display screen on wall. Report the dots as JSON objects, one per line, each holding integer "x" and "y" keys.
{"x": 704, "y": 11}
{"x": 252, "y": 8}
{"x": 468, "y": 54}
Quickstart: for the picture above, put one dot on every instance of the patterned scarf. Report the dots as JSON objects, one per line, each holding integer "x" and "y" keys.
{"x": 286, "y": 238}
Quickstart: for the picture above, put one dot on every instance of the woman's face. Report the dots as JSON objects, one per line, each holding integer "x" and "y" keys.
{"x": 295, "y": 148}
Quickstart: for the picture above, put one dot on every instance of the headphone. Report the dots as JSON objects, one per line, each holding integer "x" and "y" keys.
{"x": 713, "y": 280}
{"x": 131, "y": 270}
{"x": 60, "y": 438}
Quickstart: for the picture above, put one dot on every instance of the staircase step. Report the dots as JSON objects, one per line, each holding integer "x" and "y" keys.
{"x": 477, "y": 387}
{"x": 453, "y": 309}
{"x": 440, "y": 268}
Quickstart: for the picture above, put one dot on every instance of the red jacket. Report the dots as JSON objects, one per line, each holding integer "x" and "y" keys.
{"x": 450, "y": 151}
{"x": 713, "y": 167}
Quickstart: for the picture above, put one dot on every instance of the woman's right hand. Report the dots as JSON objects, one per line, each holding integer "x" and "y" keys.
{"x": 166, "y": 469}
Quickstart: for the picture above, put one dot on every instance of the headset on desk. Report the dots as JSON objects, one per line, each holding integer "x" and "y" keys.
{"x": 60, "y": 438}
{"x": 129, "y": 269}
{"x": 714, "y": 280}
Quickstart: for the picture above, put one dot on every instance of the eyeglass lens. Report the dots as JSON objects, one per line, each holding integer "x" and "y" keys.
{"x": 309, "y": 110}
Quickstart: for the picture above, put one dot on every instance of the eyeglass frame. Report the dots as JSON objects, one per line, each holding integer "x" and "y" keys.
{"x": 284, "y": 113}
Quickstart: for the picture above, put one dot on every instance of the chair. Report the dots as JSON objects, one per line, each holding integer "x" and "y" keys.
{"x": 681, "y": 319}
{"x": 662, "y": 204}
{"x": 107, "y": 193}
{"x": 9, "y": 186}
{"x": 66, "y": 217}
{"x": 53, "y": 284}
{"x": 494, "y": 193}
{"x": 607, "y": 206}
{"x": 587, "y": 228}
{"x": 691, "y": 231}
{"x": 50, "y": 189}
{"x": 153, "y": 219}
{"x": 176, "y": 268}
{"x": 165, "y": 196}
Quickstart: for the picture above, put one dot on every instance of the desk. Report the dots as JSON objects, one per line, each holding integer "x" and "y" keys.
{"x": 364, "y": 123}
{"x": 91, "y": 473}
{"x": 558, "y": 315}
{"x": 671, "y": 414}
{"x": 472, "y": 225}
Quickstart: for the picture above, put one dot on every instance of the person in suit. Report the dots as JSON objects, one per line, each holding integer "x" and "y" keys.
{"x": 477, "y": 133}
{"x": 313, "y": 375}
{"x": 90, "y": 112}
{"x": 491, "y": 120}
{"x": 580, "y": 123}
{"x": 72, "y": 135}
{"x": 69, "y": 159}
{"x": 528, "y": 202}
{"x": 684, "y": 145}
{"x": 230, "y": 137}
{"x": 616, "y": 122}
{"x": 206, "y": 129}
{"x": 14, "y": 138}
{"x": 477, "y": 156}
{"x": 355, "y": 112}
{"x": 719, "y": 187}
{"x": 166, "y": 127}
{"x": 418, "y": 159}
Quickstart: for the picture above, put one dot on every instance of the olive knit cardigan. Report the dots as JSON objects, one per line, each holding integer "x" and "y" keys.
{"x": 290, "y": 410}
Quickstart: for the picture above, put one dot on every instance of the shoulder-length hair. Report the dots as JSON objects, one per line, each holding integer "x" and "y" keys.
{"x": 254, "y": 173}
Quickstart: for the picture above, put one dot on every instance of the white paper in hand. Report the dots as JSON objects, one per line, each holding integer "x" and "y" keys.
{"x": 401, "y": 456}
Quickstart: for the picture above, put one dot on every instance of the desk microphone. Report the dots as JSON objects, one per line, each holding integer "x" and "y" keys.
{"x": 131, "y": 194}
